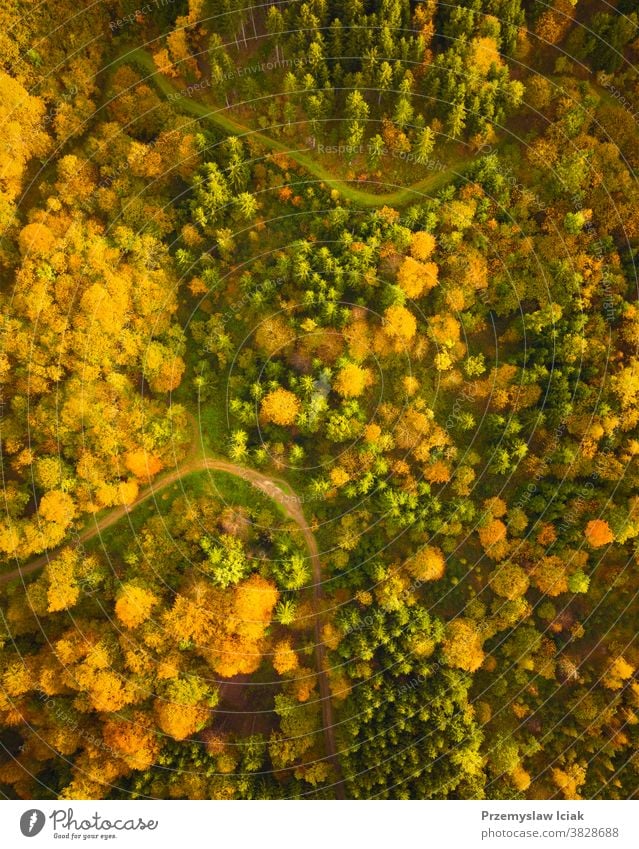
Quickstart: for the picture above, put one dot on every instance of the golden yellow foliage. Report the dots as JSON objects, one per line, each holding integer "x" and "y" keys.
{"x": 63, "y": 591}
{"x": 429, "y": 564}
{"x": 280, "y": 407}
{"x": 352, "y": 380}
{"x": 485, "y": 54}
{"x": 127, "y": 492}
{"x": 273, "y": 335}
{"x": 520, "y": 778}
{"x": 444, "y": 330}
{"x": 134, "y": 605}
{"x": 417, "y": 278}
{"x": 569, "y": 780}
{"x": 57, "y": 506}
{"x": 285, "y": 658}
{"x": 399, "y": 323}
{"x": 142, "y": 463}
{"x": 106, "y": 690}
{"x": 462, "y": 646}
{"x": 619, "y": 671}
{"x": 422, "y": 245}
{"x": 339, "y": 476}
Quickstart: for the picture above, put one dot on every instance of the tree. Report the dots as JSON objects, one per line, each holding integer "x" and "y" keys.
{"x": 424, "y": 145}
{"x": 163, "y": 368}
{"x": 180, "y": 720}
{"x": 417, "y": 278}
{"x": 133, "y": 739}
{"x": 617, "y": 673}
{"x": 422, "y": 245}
{"x": 351, "y": 380}
{"x": 134, "y": 604}
{"x": 356, "y": 112}
{"x": 462, "y": 646}
{"x": 492, "y": 533}
{"x": 247, "y": 205}
{"x": 598, "y": 533}
{"x": 285, "y": 658}
{"x": 61, "y": 573}
{"x": 143, "y": 464}
{"x": 509, "y": 580}
{"x": 280, "y": 407}
{"x": 226, "y": 563}
{"x": 429, "y": 564}
{"x": 550, "y": 577}
{"x": 375, "y": 151}
{"x": 36, "y": 240}
{"x": 399, "y": 323}
{"x": 57, "y": 506}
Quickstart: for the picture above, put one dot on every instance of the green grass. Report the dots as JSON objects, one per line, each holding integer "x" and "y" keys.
{"x": 213, "y": 426}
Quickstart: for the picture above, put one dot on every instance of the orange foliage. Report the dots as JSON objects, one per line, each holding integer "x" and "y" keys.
{"x": 134, "y": 605}
{"x": 598, "y": 533}
{"x": 142, "y": 464}
{"x": 428, "y": 564}
{"x": 133, "y": 740}
{"x": 255, "y": 599}
{"x": 285, "y": 658}
{"x": 492, "y": 533}
{"x": 462, "y": 646}
{"x": 177, "y": 720}
{"x": 36, "y": 239}
{"x": 439, "y": 472}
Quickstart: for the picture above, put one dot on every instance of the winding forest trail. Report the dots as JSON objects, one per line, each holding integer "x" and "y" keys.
{"x": 292, "y": 507}
{"x": 369, "y": 200}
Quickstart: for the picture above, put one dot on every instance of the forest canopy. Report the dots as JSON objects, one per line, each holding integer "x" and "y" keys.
{"x": 319, "y": 400}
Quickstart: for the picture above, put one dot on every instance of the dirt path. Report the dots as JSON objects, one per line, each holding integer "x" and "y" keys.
{"x": 292, "y": 506}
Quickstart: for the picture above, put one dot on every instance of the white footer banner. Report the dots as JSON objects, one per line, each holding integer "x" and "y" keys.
{"x": 320, "y": 825}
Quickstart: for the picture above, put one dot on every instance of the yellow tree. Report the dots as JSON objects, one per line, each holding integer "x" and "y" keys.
{"x": 280, "y": 407}
{"x": 417, "y": 278}
{"x": 399, "y": 324}
{"x": 422, "y": 245}
{"x": 134, "y": 604}
{"x": 462, "y": 646}
{"x": 429, "y": 564}
{"x": 352, "y": 380}
{"x": 598, "y": 533}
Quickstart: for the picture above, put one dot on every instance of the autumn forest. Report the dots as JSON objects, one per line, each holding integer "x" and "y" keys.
{"x": 319, "y": 399}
